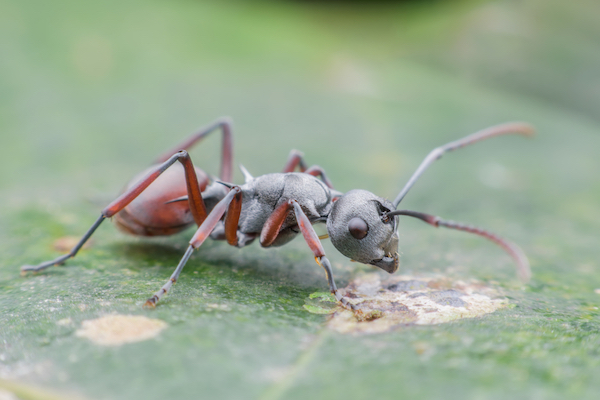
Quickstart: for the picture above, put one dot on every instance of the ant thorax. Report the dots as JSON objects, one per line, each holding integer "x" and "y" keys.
{"x": 263, "y": 194}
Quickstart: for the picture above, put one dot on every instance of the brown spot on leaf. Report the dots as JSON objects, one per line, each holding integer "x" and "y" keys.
{"x": 369, "y": 316}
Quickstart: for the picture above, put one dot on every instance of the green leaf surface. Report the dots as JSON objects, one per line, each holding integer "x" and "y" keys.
{"x": 323, "y": 296}
{"x": 92, "y": 92}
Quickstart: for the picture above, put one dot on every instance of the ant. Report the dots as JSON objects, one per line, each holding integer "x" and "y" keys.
{"x": 169, "y": 196}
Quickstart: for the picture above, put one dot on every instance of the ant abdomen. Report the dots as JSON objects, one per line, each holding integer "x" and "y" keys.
{"x": 153, "y": 213}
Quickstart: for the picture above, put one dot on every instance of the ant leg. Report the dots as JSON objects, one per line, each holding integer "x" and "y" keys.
{"x": 195, "y": 201}
{"x": 194, "y": 198}
{"x": 295, "y": 159}
{"x": 272, "y": 225}
{"x": 315, "y": 245}
{"x": 61, "y": 260}
{"x": 271, "y": 230}
{"x": 232, "y": 218}
{"x": 437, "y": 153}
{"x": 315, "y": 170}
{"x": 227, "y": 204}
{"x": 224, "y": 124}
{"x": 515, "y": 251}
{"x": 312, "y": 239}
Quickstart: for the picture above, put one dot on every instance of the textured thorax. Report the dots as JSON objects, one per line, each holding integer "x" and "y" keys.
{"x": 263, "y": 194}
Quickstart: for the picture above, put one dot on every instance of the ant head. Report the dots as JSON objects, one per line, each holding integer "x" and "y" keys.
{"x": 360, "y": 229}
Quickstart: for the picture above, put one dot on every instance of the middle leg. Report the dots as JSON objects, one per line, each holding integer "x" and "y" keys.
{"x": 230, "y": 203}
{"x": 296, "y": 160}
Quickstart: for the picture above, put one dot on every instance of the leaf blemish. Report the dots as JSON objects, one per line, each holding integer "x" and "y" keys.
{"x": 404, "y": 300}
{"x": 116, "y": 330}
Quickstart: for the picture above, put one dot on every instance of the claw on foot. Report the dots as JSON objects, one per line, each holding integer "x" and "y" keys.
{"x": 344, "y": 302}
{"x": 151, "y": 302}
{"x": 34, "y": 269}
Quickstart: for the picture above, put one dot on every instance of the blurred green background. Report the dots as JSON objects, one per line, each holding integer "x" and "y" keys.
{"x": 91, "y": 92}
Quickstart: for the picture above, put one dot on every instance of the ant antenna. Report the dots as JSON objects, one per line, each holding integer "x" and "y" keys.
{"x": 437, "y": 153}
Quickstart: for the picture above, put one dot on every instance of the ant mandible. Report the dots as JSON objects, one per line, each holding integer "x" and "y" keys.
{"x": 168, "y": 197}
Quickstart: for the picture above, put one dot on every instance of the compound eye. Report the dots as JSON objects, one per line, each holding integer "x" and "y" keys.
{"x": 358, "y": 228}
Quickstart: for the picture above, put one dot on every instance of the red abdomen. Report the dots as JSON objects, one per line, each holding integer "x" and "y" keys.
{"x": 150, "y": 214}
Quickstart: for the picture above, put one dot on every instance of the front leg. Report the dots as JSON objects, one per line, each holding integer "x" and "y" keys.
{"x": 271, "y": 230}
{"x": 312, "y": 239}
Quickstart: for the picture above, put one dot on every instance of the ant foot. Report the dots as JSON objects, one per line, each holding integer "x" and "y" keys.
{"x": 151, "y": 302}
{"x": 345, "y": 303}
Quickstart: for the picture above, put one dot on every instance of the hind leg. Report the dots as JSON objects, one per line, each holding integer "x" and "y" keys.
{"x": 224, "y": 124}
{"x": 194, "y": 199}
{"x": 296, "y": 160}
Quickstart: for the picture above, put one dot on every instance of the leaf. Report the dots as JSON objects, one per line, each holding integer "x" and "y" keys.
{"x": 318, "y": 310}
{"x": 92, "y": 92}
{"x": 323, "y": 296}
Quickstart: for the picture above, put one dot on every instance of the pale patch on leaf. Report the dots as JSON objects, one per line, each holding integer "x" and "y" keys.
{"x": 6, "y": 395}
{"x": 318, "y": 310}
{"x": 14, "y": 390}
{"x": 66, "y": 243}
{"x": 115, "y": 330}
{"x": 64, "y": 322}
{"x": 323, "y": 296}
{"x": 406, "y": 300}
